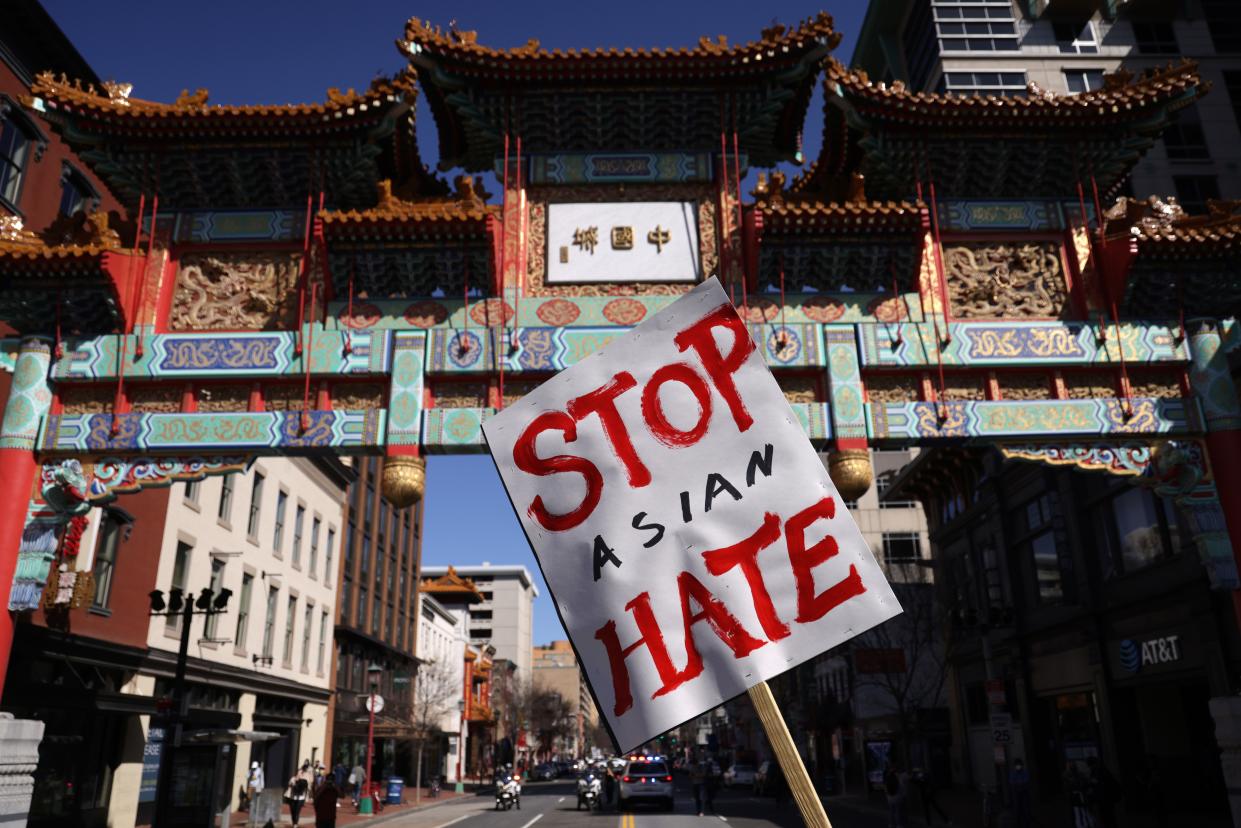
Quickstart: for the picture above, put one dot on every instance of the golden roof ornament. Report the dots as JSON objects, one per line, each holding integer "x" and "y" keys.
{"x": 404, "y": 480}
{"x": 198, "y": 100}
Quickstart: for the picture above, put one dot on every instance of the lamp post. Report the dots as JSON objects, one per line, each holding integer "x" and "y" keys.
{"x": 179, "y": 604}
{"x": 460, "y": 744}
{"x": 374, "y": 703}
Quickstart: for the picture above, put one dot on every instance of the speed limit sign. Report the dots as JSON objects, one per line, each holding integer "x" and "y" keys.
{"x": 1002, "y": 728}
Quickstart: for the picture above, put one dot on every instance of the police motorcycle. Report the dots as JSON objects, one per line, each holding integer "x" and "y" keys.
{"x": 508, "y": 791}
{"x": 589, "y": 789}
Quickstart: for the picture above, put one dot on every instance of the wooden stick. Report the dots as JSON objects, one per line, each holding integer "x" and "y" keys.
{"x": 786, "y": 754}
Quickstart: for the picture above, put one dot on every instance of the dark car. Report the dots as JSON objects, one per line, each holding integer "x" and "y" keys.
{"x": 543, "y": 773}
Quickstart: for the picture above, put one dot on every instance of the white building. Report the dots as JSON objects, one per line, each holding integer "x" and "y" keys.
{"x": 443, "y": 636}
{"x": 505, "y": 618}
{"x": 258, "y": 679}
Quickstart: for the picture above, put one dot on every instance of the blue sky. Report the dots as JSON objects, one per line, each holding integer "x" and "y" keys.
{"x": 274, "y": 51}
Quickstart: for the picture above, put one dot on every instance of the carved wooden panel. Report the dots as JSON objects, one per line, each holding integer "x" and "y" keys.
{"x": 991, "y": 280}
{"x": 887, "y": 388}
{"x": 1025, "y": 387}
{"x": 230, "y": 397}
{"x": 461, "y": 395}
{"x": 1084, "y": 385}
{"x": 1162, "y": 385}
{"x": 514, "y": 391}
{"x": 155, "y": 399}
{"x": 285, "y": 397}
{"x": 253, "y": 290}
{"x": 964, "y": 388}
{"x": 358, "y": 396}
{"x": 799, "y": 389}
{"x": 86, "y": 399}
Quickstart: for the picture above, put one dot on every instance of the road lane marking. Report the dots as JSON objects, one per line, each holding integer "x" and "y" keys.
{"x": 454, "y": 821}
{"x": 531, "y": 822}
{"x": 558, "y": 801}
{"x": 722, "y": 818}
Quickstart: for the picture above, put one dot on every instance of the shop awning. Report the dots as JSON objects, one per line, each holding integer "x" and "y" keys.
{"x": 228, "y": 736}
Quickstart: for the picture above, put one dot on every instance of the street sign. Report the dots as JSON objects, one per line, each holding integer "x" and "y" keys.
{"x": 374, "y": 704}
{"x": 665, "y": 481}
{"x": 1002, "y": 728}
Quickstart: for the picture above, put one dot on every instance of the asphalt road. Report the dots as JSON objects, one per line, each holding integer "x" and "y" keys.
{"x": 552, "y": 805}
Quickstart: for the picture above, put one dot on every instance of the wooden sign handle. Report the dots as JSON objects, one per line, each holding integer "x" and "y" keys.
{"x": 786, "y": 754}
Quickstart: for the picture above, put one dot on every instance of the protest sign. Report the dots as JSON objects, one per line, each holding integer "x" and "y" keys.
{"x": 692, "y": 540}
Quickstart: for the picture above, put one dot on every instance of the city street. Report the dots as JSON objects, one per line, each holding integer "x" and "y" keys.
{"x": 552, "y": 805}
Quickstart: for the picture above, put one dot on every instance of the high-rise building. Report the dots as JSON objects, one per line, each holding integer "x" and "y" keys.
{"x": 1030, "y": 47}
{"x": 556, "y": 667}
{"x": 505, "y": 617}
{"x": 376, "y": 626}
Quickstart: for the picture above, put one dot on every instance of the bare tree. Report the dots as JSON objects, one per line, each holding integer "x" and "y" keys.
{"x": 908, "y": 657}
{"x": 552, "y": 718}
{"x": 435, "y": 688}
{"x": 511, "y": 699}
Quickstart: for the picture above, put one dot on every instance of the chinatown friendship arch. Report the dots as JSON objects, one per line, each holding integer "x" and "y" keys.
{"x": 292, "y": 279}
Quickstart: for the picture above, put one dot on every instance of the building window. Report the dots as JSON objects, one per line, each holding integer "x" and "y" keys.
{"x": 363, "y": 597}
{"x": 1192, "y": 191}
{"x": 376, "y": 615}
{"x": 1155, "y": 37}
{"x": 299, "y": 518}
{"x": 104, "y": 566}
{"x": 226, "y": 497}
{"x": 370, "y": 506}
{"x": 346, "y": 599}
{"x": 217, "y": 583}
{"x": 1140, "y": 529}
{"x": 290, "y": 623}
{"x": 882, "y": 483}
{"x": 180, "y": 569}
{"x": 1224, "y": 23}
{"x": 191, "y": 490}
{"x": 256, "y": 504}
{"x": 328, "y": 552}
{"x": 314, "y": 546}
{"x": 277, "y": 538}
{"x": 1184, "y": 138}
{"x": 323, "y": 633}
{"x": 243, "y": 611}
{"x": 985, "y": 83}
{"x": 1083, "y": 80}
{"x": 482, "y": 633}
{"x": 1076, "y": 38}
{"x": 76, "y": 193}
{"x": 364, "y": 565}
{"x": 15, "y": 140}
{"x": 901, "y": 547}
{"x": 307, "y": 625}
{"x": 1043, "y": 548}
{"x": 975, "y": 25}
{"x": 269, "y": 621}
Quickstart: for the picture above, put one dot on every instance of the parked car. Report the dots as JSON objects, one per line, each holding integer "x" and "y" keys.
{"x": 646, "y": 779}
{"x": 739, "y": 775}
{"x": 543, "y": 773}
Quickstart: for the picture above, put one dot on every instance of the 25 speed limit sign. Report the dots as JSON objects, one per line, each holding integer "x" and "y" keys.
{"x": 1002, "y": 728}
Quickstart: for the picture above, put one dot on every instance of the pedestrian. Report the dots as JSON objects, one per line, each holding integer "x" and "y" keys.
{"x": 894, "y": 789}
{"x": 1019, "y": 787}
{"x": 1106, "y": 790}
{"x": 357, "y": 779}
{"x": 325, "y": 803}
{"x": 1081, "y": 796}
{"x": 925, "y": 783}
{"x": 340, "y": 774}
{"x": 715, "y": 777}
{"x": 698, "y": 781}
{"x": 254, "y": 782}
{"x": 298, "y": 791}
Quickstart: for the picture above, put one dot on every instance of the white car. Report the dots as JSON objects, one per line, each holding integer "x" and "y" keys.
{"x": 739, "y": 775}
{"x": 646, "y": 779}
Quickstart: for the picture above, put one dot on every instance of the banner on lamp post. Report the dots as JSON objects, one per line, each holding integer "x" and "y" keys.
{"x": 692, "y": 540}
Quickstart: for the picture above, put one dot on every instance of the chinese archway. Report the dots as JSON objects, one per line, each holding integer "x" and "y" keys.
{"x": 293, "y": 279}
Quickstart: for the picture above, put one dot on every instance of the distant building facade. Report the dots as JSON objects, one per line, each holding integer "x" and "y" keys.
{"x": 505, "y": 616}
{"x": 443, "y": 639}
{"x": 555, "y": 667}
{"x": 998, "y": 47}
{"x": 376, "y": 625}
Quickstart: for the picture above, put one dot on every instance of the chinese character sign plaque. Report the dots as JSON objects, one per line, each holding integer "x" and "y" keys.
{"x": 635, "y": 241}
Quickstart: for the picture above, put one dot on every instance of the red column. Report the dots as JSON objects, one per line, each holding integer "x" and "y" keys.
{"x": 28, "y": 403}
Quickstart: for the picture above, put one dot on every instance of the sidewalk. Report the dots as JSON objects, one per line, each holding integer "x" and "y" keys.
{"x": 347, "y": 815}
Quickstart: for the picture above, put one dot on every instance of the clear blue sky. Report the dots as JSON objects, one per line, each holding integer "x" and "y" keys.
{"x": 269, "y": 51}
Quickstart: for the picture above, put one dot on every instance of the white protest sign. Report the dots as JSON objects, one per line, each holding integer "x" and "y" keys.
{"x": 691, "y": 537}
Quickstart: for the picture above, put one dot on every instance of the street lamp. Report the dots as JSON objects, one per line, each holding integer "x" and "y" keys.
{"x": 207, "y": 603}
{"x": 374, "y": 703}
{"x": 460, "y": 744}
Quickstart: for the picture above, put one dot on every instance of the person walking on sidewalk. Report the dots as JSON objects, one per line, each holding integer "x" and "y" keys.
{"x": 698, "y": 781}
{"x": 925, "y": 784}
{"x": 1019, "y": 787}
{"x": 325, "y": 803}
{"x": 895, "y": 787}
{"x": 297, "y": 792}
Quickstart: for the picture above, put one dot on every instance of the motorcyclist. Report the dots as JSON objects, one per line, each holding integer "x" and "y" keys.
{"x": 588, "y": 788}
